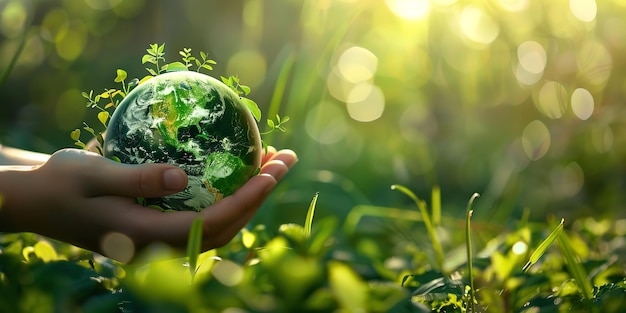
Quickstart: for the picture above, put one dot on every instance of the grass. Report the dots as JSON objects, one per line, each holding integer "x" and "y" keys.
{"x": 323, "y": 266}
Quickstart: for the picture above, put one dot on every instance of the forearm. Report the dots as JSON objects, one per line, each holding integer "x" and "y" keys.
{"x": 13, "y": 156}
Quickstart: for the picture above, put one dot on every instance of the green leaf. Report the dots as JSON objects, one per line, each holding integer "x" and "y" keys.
{"x": 292, "y": 231}
{"x": 161, "y": 48}
{"x": 103, "y": 117}
{"x": 432, "y": 234}
{"x": 203, "y": 55}
{"x": 85, "y": 95}
{"x": 573, "y": 264}
{"x": 121, "y": 76}
{"x": 147, "y": 58}
{"x": 100, "y": 139}
{"x": 152, "y": 72}
{"x": 253, "y": 107}
{"x": 245, "y": 89}
{"x": 175, "y": 67}
{"x": 75, "y": 134}
{"x": 248, "y": 238}
{"x": 89, "y": 129}
{"x": 45, "y": 251}
{"x": 80, "y": 144}
{"x": 194, "y": 244}
{"x": 308, "y": 222}
{"x": 270, "y": 123}
{"x": 543, "y": 246}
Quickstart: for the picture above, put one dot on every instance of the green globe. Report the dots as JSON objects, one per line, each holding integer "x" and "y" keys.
{"x": 193, "y": 121}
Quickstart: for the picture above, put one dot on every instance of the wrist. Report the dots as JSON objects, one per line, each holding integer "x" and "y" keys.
{"x": 17, "y": 198}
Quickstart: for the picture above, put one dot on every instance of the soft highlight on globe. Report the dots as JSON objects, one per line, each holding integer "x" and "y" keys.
{"x": 191, "y": 120}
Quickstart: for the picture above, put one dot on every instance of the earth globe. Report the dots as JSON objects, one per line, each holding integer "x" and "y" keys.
{"x": 193, "y": 121}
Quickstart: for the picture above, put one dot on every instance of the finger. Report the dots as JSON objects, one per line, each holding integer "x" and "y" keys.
{"x": 135, "y": 180}
{"x": 225, "y": 218}
{"x": 268, "y": 153}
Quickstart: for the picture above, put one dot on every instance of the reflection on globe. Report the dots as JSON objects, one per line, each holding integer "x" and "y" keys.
{"x": 195, "y": 122}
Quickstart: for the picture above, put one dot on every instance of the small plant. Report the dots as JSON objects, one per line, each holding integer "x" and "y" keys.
{"x": 107, "y": 101}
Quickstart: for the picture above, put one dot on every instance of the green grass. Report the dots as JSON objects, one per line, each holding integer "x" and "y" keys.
{"x": 326, "y": 265}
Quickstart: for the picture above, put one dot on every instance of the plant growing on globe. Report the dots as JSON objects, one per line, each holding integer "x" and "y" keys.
{"x": 174, "y": 115}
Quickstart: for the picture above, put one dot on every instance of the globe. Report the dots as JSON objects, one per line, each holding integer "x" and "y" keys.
{"x": 193, "y": 121}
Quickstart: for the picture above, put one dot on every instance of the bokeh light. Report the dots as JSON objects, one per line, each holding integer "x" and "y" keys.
{"x": 477, "y": 25}
{"x": 409, "y": 9}
{"x": 532, "y": 57}
{"x": 366, "y": 102}
{"x": 250, "y": 64}
{"x": 568, "y": 180}
{"x": 227, "y": 272}
{"x": 325, "y": 123}
{"x": 118, "y": 246}
{"x": 536, "y": 140}
{"x": 12, "y": 18}
{"x": 513, "y": 5}
{"x": 582, "y": 103}
{"x": 357, "y": 64}
{"x": 552, "y": 99}
{"x": 519, "y": 248}
{"x": 584, "y": 10}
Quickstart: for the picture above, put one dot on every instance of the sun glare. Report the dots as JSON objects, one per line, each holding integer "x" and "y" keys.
{"x": 409, "y": 9}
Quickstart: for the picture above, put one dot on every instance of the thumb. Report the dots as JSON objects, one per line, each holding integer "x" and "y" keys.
{"x": 136, "y": 180}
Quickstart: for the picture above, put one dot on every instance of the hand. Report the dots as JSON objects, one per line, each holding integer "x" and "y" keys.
{"x": 84, "y": 199}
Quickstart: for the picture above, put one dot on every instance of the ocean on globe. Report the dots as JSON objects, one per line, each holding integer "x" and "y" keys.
{"x": 193, "y": 121}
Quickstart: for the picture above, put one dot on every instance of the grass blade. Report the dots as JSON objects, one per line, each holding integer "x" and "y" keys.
{"x": 543, "y": 246}
{"x": 436, "y": 203}
{"x": 432, "y": 234}
{"x": 575, "y": 268}
{"x": 470, "y": 257}
{"x": 308, "y": 222}
{"x": 194, "y": 244}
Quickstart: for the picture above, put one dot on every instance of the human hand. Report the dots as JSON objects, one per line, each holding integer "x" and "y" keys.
{"x": 84, "y": 199}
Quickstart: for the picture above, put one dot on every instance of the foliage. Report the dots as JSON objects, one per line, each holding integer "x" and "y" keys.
{"x": 156, "y": 56}
{"x": 320, "y": 267}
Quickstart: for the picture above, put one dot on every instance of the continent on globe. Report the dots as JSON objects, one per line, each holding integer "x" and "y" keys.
{"x": 193, "y": 121}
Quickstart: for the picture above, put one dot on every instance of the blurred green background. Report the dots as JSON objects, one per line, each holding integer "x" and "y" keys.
{"x": 518, "y": 100}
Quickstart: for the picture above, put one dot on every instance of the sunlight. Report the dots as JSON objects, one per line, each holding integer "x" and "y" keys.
{"x": 552, "y": 99}
{"x": 584, "y": 10}
{"x": 513, "y": 5}
{"x": 409, "y": 9}
{"x": 519, "y": 247}
{"x": 366, "y": 103}
{"x": 12, "y": 19}
{"x": 582, "y": 103}
{"x": 478, "y": 25}
{"x": 532, "y": 57}
{"x": 357, "y": 64}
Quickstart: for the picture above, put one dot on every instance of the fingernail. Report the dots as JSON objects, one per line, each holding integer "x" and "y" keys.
{"x": 174, "y": 179}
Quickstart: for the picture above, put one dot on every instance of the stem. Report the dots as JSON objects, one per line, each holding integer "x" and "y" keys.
{"x": 18, "y": 52}
{"x": 432, "y": 234}
{"x": 468, "y": 242}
